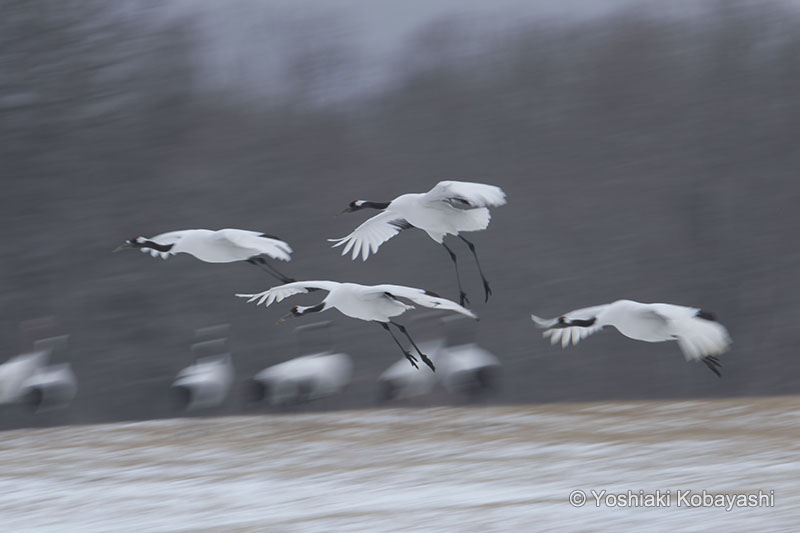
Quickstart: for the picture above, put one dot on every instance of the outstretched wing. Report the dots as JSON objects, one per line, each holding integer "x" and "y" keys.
{"x": 466, "y": 195}
{"x": 276, "y": 294}
{"x": 576, "y": 325}
{"x": 423, "y": 298}
{"x": 259, "y": 243}
{"x": 372, "y": 233}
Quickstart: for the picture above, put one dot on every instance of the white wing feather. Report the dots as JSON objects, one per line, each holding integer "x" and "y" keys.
{"x": 260, "y": 244}
{"x": 466, "y": 195}
{"x": 371, "y": 234}
{"x": 276, "y": 294}
{"x": 697, "y": 337}
{"x": 423, "y": 298}
{"x": 571, "y": 333}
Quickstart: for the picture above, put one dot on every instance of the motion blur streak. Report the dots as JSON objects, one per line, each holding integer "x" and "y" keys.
{"x": 443, "y": 469}
{"x": 648, "y": 152}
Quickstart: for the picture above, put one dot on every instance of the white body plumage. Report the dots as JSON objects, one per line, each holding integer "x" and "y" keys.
{"x": 220, "y": 246}
{"x": 377, "y": 303}
{"x": 365, "y": 302}
{"x": 449, "y": 208}
{"x": 698, "y": 334}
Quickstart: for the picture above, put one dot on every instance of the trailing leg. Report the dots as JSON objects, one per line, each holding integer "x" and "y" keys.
{"x": 424, "y": 357}
{"x": 261, "y": 263}
{"x": 462, "y": 296}
{"x": 486, "y": 287}
{"x": 411, "y": 358}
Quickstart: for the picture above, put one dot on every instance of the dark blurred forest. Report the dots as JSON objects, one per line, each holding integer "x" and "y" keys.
{"x": 645, "y": 156}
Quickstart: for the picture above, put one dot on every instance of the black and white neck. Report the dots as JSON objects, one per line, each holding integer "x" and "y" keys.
{"x": 299, "y": 310}
{"x": 141, "y": 242}
{"x": 563, "y": 323}
{"x": 364, "y": 204}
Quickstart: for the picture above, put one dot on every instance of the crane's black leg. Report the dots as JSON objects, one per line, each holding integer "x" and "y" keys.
{"x": 261, "y": 263}
{"x": 486, "y": 287}
{"x": 283, "y": 277}
{"x": 252, "y": 261}
{"x": 411, "y": 358}
{"x": 424, "y": 357}
{"x": 462, "y": 296}
{"x": 713, "y": 364}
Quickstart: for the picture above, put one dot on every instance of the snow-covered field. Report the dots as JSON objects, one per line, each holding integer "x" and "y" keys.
{"x": 440, "y": 469}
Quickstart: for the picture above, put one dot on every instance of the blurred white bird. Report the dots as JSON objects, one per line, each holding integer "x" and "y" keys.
{"x": 470, "y": 370}
{"x": 303, "y": 379}
{"x": 401, "y": 382}
{"x": 699, "y": 335}
{"x": 448, "y": 209}
{"x": 26, "y": 378}
{"x": 15, "y": 372}
{"x": 378, "y": 303}
{"x": 52, "y": 386}
{"x": 205, "y": 383}
{"x": 220, "y": 246}
{"x": 466, "y": 369}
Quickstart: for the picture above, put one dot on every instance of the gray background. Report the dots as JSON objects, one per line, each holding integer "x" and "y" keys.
{"x": 647, "y": 153}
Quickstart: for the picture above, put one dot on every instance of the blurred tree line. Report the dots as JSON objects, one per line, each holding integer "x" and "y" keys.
{"x": 645, "y": 155}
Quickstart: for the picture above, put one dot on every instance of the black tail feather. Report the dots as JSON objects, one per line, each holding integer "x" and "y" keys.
{"x": 713, "y": 364}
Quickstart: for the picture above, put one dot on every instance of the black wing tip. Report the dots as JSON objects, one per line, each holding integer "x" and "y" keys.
{"x": 268, "y": 236}
{"x": 431, "y": 293}
{"x": 706, "y": 315}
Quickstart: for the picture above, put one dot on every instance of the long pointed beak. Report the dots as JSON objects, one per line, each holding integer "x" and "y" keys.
{"x": 121, "y": 247}
{"x": 284, "y": 317}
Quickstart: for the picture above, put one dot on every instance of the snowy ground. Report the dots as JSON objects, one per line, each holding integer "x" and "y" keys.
{"x": 443, "y": 469}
